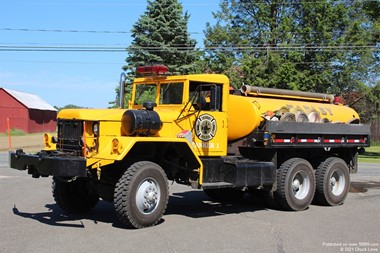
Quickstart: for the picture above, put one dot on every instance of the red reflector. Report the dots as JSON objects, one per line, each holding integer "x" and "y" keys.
{"x": 152, "y": 70}
{"x": 283, "y": 140}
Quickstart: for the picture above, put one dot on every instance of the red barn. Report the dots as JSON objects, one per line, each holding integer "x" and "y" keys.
{"x": 26, "y": 111}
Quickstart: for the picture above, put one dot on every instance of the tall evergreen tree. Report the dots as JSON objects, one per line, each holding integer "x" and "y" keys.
{"x": 321, "y": 46}
{"x": 161, "y": 36}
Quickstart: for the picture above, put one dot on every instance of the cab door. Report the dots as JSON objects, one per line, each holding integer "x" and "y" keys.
{"x": 210, "y": 122}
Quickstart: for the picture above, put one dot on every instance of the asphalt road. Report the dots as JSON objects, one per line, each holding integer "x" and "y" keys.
{"x": 30, "y": 221}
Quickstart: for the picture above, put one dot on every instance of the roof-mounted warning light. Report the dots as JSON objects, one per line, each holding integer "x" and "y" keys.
{"x": 155, "y": 70}
{"x": 338, "y": 100}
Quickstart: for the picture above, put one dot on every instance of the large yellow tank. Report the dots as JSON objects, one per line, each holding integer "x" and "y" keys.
{"x": 247, "y": 111}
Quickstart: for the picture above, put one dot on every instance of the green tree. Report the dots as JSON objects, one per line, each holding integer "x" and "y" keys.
{"x": 160, "y": 36}
{"x": 366, "y": 101}
{"x": 321, "y": 46}
{"x": 69, "y": 106}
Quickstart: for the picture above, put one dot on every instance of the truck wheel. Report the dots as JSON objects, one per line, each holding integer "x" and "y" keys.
{"x": 224, "y": 194}
{"x": 333, "y": 182}
{"x": 141, "y": 195}
{"x": 295, "y": 184}
{"x": 77, "y": 196}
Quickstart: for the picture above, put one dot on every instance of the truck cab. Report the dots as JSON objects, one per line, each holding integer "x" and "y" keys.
{"x": 192, "y": 104}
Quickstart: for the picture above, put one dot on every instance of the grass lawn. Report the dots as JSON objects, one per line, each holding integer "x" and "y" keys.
{"x": 371, "y": 155}
{"x": 14, "y": 132}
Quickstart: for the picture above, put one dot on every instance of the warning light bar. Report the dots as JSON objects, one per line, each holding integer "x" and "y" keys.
{"x": 152, "y": 70}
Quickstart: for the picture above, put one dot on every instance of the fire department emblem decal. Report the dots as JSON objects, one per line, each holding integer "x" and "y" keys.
{"x": 205, "y": 127}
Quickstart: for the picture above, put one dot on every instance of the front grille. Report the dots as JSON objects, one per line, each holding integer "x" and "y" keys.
{"x": 70, "y": 134}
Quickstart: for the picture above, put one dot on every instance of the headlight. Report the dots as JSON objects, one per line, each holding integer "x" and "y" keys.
{"x": 95, "y": 128}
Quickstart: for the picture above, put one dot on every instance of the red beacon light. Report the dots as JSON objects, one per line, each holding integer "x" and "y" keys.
{"x": 154, "y": 70}
{"x": 337, "y": 100}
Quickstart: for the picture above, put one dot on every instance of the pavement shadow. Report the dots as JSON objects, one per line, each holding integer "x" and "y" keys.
{"x": 193, "y": 204}
{"x": 54, "y": 216}
{"x": 196, "y": 204}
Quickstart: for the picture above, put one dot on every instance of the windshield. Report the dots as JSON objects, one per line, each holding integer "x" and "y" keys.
{"x": 169, "y": 93}
{"x": 145, "y": 92}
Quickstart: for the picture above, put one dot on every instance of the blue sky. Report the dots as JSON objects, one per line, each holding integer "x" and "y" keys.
{"x": 82, "y": 78}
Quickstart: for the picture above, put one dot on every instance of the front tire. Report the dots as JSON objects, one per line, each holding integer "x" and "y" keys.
{"x": 295, "y": 185}
{"x": 141, "y": 195}
{"x": 333, "y": 180}
{"x": 76, "y": 196}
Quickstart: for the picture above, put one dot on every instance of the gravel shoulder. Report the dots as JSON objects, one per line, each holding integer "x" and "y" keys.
{"x": 29, "y": 142}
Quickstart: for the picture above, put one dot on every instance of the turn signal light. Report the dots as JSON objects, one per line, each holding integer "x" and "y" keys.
{"x": 116, "y": 146}
{"x": 49, "y": 142}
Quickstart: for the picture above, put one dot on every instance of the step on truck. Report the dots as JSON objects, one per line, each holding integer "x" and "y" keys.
{"x": 198, "y": 131}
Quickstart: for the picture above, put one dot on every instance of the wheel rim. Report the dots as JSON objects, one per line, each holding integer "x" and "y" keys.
{"x": 301, "y": 185}
{"x": 337, "y": 182}
{"x": 148, "y": 196}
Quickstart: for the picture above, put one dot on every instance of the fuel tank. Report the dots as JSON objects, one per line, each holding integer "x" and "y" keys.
{"x": 248, "y": 110}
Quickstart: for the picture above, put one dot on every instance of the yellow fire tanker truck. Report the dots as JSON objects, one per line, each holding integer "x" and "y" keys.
{"x": 196, "y": 131}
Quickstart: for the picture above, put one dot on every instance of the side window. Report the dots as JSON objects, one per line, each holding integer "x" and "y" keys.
{"x": 206, "y": 96}
{"x": 171, "y": 93}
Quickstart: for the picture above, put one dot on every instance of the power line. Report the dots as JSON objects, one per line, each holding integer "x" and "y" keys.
{"x": 70, "y": 31}
{"x": 104, "y": 4}
{"x": 62, "y": 48}
{"x": 258, "y": 48}
{"x": 118, "y": 63}
{"x": 7, "y": 29}
{"x": 63, "y": 62}
{"x": 310, "y": 2}
{"x": 58, "y": 30}
{"x": 183, "y": 4}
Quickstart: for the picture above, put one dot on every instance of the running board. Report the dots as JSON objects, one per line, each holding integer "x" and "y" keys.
{"x": 216, "y": 185}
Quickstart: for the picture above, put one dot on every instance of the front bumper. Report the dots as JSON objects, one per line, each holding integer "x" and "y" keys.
{"x": 47, "y": 163}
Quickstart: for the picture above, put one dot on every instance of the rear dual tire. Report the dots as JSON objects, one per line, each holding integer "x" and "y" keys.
{"x": 295, "y": 185}
{"x": 333, "y": 181}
